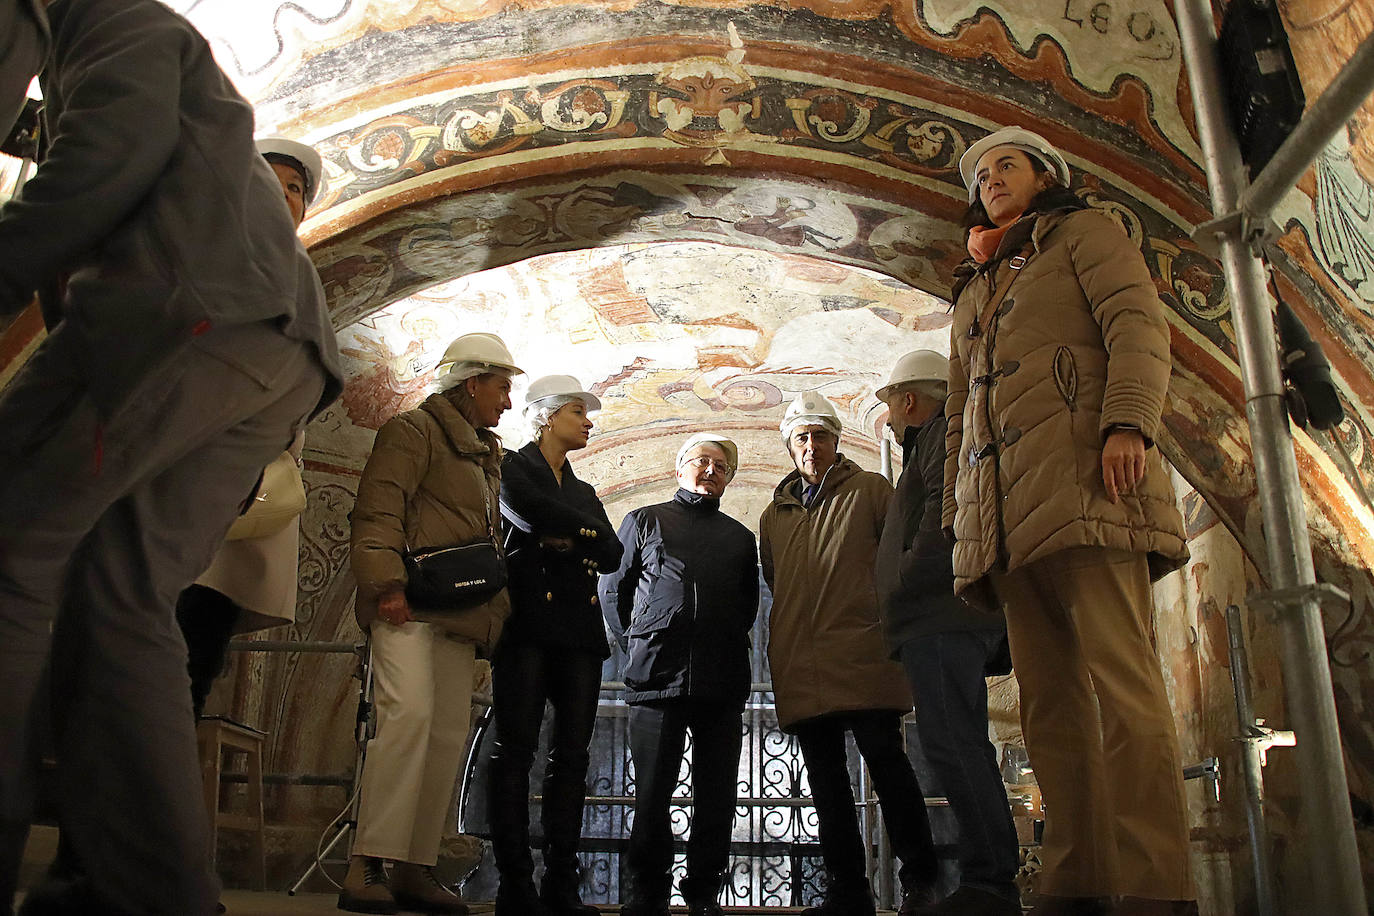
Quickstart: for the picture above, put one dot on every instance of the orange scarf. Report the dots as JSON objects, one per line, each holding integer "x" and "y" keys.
{"x": 983, "y": 243}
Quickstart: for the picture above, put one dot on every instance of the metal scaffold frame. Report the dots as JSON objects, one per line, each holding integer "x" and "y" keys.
{"x": 1241, "y": 226}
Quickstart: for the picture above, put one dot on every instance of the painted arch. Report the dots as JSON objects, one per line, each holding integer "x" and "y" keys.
{"x": 465, "y": 135}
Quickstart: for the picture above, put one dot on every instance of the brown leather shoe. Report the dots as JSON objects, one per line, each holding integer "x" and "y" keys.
{"x": 416, "y": 888}
{"x": 1142, "y": 906}
{"x": 364, "y": 888}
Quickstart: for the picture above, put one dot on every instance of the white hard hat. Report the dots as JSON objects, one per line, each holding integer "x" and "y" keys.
{"x": 559, "y": 386}
{"x": 918, "y": 366}
{"x": 1029, "y": 142}
{"x": 810, "y": 409}
{"x": 726, "y": 445}
{"x": 309, "y": 160}
{"x": 482, "y": 351}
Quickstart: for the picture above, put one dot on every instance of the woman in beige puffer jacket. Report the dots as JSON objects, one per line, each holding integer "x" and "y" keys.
{"x": 1077, "y": 346}
{"x": 1062, "y": 511}
{"x": 433, "y": 480}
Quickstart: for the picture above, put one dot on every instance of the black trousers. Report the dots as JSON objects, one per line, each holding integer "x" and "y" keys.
{"x": 946, "y": 675}
{"x": 658, "y": 736}
{"x": 878, "y": 735}
{"x": 207, "y": 620}
{"x": 524, "y": 678}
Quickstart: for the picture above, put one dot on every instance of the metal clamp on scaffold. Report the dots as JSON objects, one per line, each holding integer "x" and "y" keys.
{"x": 1280, "y": 600}
{"x": 1209, "y": 770}
{"x": 1261, "y": 737}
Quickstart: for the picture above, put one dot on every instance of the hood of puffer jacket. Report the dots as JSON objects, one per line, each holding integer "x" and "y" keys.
{"x": 1078, "y": 345}
{"x": 825, "y": 644}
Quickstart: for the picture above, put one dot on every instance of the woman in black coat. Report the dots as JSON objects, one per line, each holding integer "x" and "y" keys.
{"x": 557, "y": 539}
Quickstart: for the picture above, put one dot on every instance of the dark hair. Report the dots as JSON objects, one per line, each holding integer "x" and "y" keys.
{"x": 977, "y": 216}
{"x": 291, "y": 162}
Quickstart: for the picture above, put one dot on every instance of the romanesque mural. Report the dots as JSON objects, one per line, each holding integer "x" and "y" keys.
{"x": 703, "y": 207}
{"x": 815, "y": 132}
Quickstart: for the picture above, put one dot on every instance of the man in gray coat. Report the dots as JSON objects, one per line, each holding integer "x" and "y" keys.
{"x": 945, "y": 647}
{"x": 188, "y": 342}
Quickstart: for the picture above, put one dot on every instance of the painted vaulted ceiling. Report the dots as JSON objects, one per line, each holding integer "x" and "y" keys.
{"x": 703, "y": 208}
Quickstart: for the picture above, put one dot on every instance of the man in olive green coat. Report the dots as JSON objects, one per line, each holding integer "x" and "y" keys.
{"x": 832, "y": 673}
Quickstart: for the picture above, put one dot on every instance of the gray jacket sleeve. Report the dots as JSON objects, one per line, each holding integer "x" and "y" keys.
{"x": 23, "y": 47}
{"x": 118, "y": 78}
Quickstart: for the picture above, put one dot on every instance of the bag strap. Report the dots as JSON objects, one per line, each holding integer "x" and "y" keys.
{"x": 486, "y": 501}
{"x": 1014, "y": 263}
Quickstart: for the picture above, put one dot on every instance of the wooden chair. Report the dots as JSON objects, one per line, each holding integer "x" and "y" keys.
{"x": 216, "y": 736}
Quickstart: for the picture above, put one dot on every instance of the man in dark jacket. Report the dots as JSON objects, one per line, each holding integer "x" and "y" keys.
{"x": 945, "y": 646}
{"x": 23, "y": 45}
{"x": 681, "y": 605}
{"x": 188, "y": 343}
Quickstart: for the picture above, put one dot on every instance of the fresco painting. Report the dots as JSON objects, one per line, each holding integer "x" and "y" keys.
{"x": 704, "y": 207}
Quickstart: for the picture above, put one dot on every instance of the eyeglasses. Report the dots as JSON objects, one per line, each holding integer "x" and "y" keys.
{"x": 702, "y": 462}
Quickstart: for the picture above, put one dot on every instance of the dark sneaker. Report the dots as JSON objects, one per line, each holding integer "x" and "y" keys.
{"x": 704, "y": 908}
{"x": 842, "y": 906}
{"x": 972, "y": 901}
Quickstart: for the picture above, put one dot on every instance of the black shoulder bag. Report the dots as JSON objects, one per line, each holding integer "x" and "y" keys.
{"x": 440, "y": 579}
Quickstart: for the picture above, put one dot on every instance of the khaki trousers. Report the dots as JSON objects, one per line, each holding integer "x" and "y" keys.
{"x": 422, "y": 688}
{"x": 1116, "y": 822}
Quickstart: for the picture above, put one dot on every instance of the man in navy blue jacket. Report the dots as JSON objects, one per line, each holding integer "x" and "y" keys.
{"x": 945, "y": 646}
{"x": 681, "y": 605}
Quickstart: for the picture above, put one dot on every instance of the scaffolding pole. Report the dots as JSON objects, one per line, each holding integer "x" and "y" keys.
{"x": 1252, "y": 765}
{"x": 1333, "y": 887}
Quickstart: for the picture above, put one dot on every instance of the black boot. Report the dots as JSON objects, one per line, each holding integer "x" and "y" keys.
{"x": 702, "y": 893}
{"x": 644, "y": 906}
{"x": 508, "y": 800}
{"x": 13, "y": 837}
{"x": 519, "y": 898}
{"x": 560, "y": 896}
{"x": 844, "y": 901}
{"x": 565, "y": 793}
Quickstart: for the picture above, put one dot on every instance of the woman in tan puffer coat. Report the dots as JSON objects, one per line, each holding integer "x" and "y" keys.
{"x": 1063, "y": 512}
{"x": 433, "y": 480}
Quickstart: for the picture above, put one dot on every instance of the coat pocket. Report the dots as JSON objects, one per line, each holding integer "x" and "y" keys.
{"x": 1066, "y": 376}
{"x": 652, "y": 618}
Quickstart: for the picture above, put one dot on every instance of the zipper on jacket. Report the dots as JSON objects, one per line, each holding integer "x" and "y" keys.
{"x": 994, "y": 443}
{"x": 692, "y": 630}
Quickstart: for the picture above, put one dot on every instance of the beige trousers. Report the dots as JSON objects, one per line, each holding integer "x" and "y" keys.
{"x": 422, "y": 688}
{"x": 1116, "y": 821}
